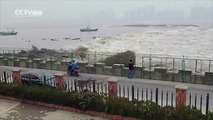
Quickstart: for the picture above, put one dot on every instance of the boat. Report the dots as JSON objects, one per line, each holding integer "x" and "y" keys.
{"x": 12, "y": 32}
{"x": 76, "y": 38}
{"x": 67, "y": 38}
{"x": 53, "y": 39}
{"x": 88, "y": 29}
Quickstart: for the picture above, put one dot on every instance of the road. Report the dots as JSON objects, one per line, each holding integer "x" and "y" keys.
{"x": 196, "y": 90}
{"x": 11, "y": 110}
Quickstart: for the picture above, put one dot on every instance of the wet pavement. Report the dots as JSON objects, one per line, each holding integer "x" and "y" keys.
{"x": 11, "y": 110}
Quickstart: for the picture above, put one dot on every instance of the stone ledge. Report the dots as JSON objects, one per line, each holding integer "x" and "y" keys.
{"x": 71, "y": 109}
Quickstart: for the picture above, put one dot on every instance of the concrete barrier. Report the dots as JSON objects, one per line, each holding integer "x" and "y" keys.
{"x": 125, "y": 72}
{"x": 117, "y": 69}
{"x": 138, "y": 72}
{"x": 184, "y": 76}
{"x": 51, "y": 64}
{"x": 147, "y": 74}
{"x": 107, "y": 70}
{"x": 42, "y": 65}
{"x": 6, "y": 62}
{"x": 23, "y": 61}
{"x": 90, "y": 69}
{"x": 99, "y": 68}
{"x": 208, "y": 78}
{"x": 159, "y": 73}
{"x": 1, "y": 60}
{"x": 16, "y": 63}
{"x": 63, "y": 66}
{"x": 170, "y": 76}
{"x": 36, "y": 62}
{"x": 82, "y": 66}
{"x": 10, "y": 61}
{"x": 198, "y": 78}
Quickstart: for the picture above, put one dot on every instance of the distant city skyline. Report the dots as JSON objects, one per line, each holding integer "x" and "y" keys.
{"x": 102, "y": 11}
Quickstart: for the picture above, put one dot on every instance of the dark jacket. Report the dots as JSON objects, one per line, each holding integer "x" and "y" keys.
{"x": 131, "y": 65}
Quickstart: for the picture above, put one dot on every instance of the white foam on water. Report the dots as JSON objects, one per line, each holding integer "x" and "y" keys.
{"x": 189, "y": 41}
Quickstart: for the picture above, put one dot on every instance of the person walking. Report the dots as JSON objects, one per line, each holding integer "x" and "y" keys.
{"x": 130, "y": 72}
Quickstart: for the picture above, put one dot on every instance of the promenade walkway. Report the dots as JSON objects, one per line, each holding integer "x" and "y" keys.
{"x": 11, "y": 110}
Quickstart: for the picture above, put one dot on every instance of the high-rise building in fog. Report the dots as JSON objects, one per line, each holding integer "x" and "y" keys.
{"x": 198, "y": 12}
{"x": 149, "y": 13}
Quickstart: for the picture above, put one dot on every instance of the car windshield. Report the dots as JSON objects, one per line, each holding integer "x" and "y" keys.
{"x": 40, "y": 77}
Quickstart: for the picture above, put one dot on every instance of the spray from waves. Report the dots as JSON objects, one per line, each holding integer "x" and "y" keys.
{"x": 189, "y": 41}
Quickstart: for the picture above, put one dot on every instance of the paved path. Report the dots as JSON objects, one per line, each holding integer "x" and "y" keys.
{"x": 11, "y": 110}
{"x": 196, "y": 90}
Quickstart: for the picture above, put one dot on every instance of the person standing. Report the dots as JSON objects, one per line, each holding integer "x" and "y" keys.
{"x": 130, "y": 72}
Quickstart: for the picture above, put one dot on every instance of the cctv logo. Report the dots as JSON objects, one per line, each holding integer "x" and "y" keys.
{"x": 27, "y": 12}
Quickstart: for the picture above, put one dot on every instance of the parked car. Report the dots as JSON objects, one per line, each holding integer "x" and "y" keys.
{"x": 38, "y": 78}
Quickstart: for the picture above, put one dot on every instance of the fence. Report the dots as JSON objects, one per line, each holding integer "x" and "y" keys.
{"x": 163, "y": 95}
{"x": 6, "y": 77}
{"x": 196, "y": 65}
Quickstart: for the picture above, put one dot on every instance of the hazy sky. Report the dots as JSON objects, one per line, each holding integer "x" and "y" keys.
{"x": 81, "y": 11}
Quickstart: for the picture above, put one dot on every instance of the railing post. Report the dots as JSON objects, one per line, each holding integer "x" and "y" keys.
{"x": 5, "y": 77}
{"x": 172, "y": 99}
{"x": 59, "y": 79}
{"x": 142, "y": 61}
{"x": 133, "y": 92}
{"x": 16, "y": 74}
{"x": 112, "y": 88}
{"x": 162, "y": 98}
{"x": 156, "y": 95}
{"x": 75, "y": 84}
{"x": 180, "y": 95}
{"x": 209, "y": 65}
{"x": 183, "y": 63}
{"x": 195, "y": 65}
{"x": 44, "y": 80}
{"x": 207, "y": 104}
{"x": 150, "y": 66}
{"x": 195, "y": 100}
{"x": 167, "y": 95}
{"x": 201, "y": 102}
{"x": 93, "y": 86}
{"x": 190, "y": 100}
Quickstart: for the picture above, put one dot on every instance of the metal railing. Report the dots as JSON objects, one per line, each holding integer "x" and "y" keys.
{"x": 196, "y": 64}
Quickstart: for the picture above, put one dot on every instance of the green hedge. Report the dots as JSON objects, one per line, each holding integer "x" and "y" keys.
{"x": 143, "y": 110}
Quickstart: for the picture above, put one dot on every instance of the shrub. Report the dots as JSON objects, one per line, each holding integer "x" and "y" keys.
{"x": 92, "y": 101}
{"x": 150, "y": 111}
{"x": 119, "y": 106}
{"x": 187, "y": 113}
{"x": 210, "y": 116}
{"x": 120, "y": 58}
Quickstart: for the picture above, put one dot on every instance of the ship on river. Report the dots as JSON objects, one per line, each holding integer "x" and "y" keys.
{"x": 8, "y": 32}
{"x": 88, "y": 29}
